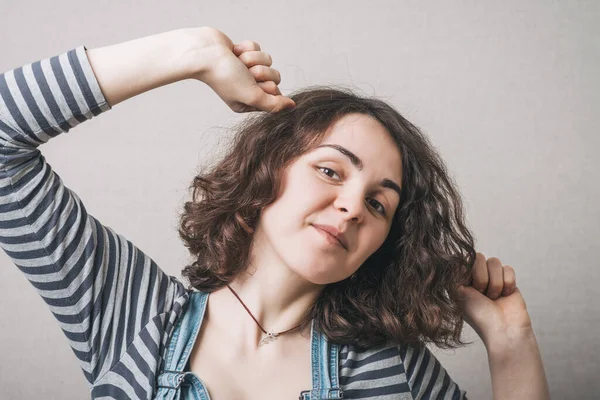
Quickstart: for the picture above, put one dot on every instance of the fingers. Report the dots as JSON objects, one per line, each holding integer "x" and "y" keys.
{"x": 510, "y": 281}
{"x": 271, "y": 103}
{"x": 269, "y": 87}
{"x": 252, "y": 58}
{"x": 267, "y": 96}
{"x": 257, "y": 61}
{"x": 480, "y": 273}
{"x": 262, "y": 74}
{"x": 496, "y": 278}
{"x": 491, "y": 278}
{"x": 246, "y": 45}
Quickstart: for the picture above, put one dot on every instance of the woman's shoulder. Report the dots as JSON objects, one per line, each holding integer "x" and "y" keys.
{"x": 392, "y": 369}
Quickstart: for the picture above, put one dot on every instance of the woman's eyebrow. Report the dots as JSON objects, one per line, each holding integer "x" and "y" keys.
{"x": 358, "y": 163}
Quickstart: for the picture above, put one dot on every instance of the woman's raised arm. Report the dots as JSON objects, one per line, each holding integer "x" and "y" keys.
{"x": 127, "y": 69}
{"x": 240, "y": 74}
{"x": 113, "y": 303}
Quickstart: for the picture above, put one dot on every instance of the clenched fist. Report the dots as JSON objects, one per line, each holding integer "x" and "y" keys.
{"x": 240, "y": 74}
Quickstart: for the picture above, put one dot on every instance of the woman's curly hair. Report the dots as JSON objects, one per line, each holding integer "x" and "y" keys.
{"x": 406, "y": 291}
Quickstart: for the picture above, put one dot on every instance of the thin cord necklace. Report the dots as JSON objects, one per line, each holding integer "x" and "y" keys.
{"x": 271, "y": 336}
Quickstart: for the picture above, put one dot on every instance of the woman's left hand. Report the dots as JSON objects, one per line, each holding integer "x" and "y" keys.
{"x": 492, "y": 304}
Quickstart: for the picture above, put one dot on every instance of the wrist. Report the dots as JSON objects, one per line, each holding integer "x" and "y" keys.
{"x": 509, "y": 344}
{"x": 197, "y": 51}
{"x": 516, "y": 367}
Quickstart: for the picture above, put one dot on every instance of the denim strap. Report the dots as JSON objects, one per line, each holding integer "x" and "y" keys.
{"x": 324, "y": 359}
{"x": 170, "y": 379}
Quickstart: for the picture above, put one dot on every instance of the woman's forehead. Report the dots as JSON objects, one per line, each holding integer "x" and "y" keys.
{"x": 359, "y": 137}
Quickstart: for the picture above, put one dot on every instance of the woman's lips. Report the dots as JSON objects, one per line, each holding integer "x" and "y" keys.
{"x": 330, "y": 238}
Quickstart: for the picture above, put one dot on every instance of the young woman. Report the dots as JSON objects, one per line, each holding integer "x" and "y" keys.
{"x": 330, "y": 241}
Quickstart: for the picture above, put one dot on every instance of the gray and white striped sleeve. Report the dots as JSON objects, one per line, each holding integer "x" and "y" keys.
{"x": 426, "y": 376}
{"x": 101, "y": 288}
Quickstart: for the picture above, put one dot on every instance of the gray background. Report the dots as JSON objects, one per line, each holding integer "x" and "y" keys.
{"x": 507, "y": 92}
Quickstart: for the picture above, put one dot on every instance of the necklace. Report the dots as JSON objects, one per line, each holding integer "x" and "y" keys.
{"x": 271, "y": 336}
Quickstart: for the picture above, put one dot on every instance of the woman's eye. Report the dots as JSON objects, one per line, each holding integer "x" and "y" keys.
{"x": 328, "y": 169}
{"x": 382, "y": 212}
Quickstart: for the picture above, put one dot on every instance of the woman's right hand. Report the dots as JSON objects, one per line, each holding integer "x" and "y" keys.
{"x": 241, "y": 74}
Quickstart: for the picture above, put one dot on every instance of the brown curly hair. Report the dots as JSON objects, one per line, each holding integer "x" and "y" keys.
{"x": 405, "y": 291}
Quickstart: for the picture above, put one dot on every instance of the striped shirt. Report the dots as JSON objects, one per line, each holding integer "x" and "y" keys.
{"x": 116, "y": 307}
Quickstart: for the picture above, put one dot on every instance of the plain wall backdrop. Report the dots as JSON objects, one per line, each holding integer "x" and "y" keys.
{"x": 507, "y": 91}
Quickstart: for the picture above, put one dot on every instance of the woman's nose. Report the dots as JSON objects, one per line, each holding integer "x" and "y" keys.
{"x": 351, "y": 207}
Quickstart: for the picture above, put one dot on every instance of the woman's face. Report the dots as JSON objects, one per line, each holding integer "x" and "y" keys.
{"x": 324, "y": 187}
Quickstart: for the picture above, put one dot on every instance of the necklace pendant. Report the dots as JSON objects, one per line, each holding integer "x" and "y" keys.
{"x": 271, "y": 337}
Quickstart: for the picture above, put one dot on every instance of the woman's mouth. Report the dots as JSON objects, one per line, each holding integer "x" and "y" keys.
{"x": 329, "y": 238}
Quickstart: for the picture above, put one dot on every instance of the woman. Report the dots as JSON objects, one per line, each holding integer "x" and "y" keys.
{"x": 329, "y": 240}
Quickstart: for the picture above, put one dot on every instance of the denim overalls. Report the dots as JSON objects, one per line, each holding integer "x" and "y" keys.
{"x": 175, "y": 383}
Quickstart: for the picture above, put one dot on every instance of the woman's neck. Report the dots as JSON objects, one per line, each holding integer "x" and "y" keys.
{"x": 276, "y": 297}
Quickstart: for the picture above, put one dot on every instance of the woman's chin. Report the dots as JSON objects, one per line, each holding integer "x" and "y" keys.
{"x": 319, "y": 277}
